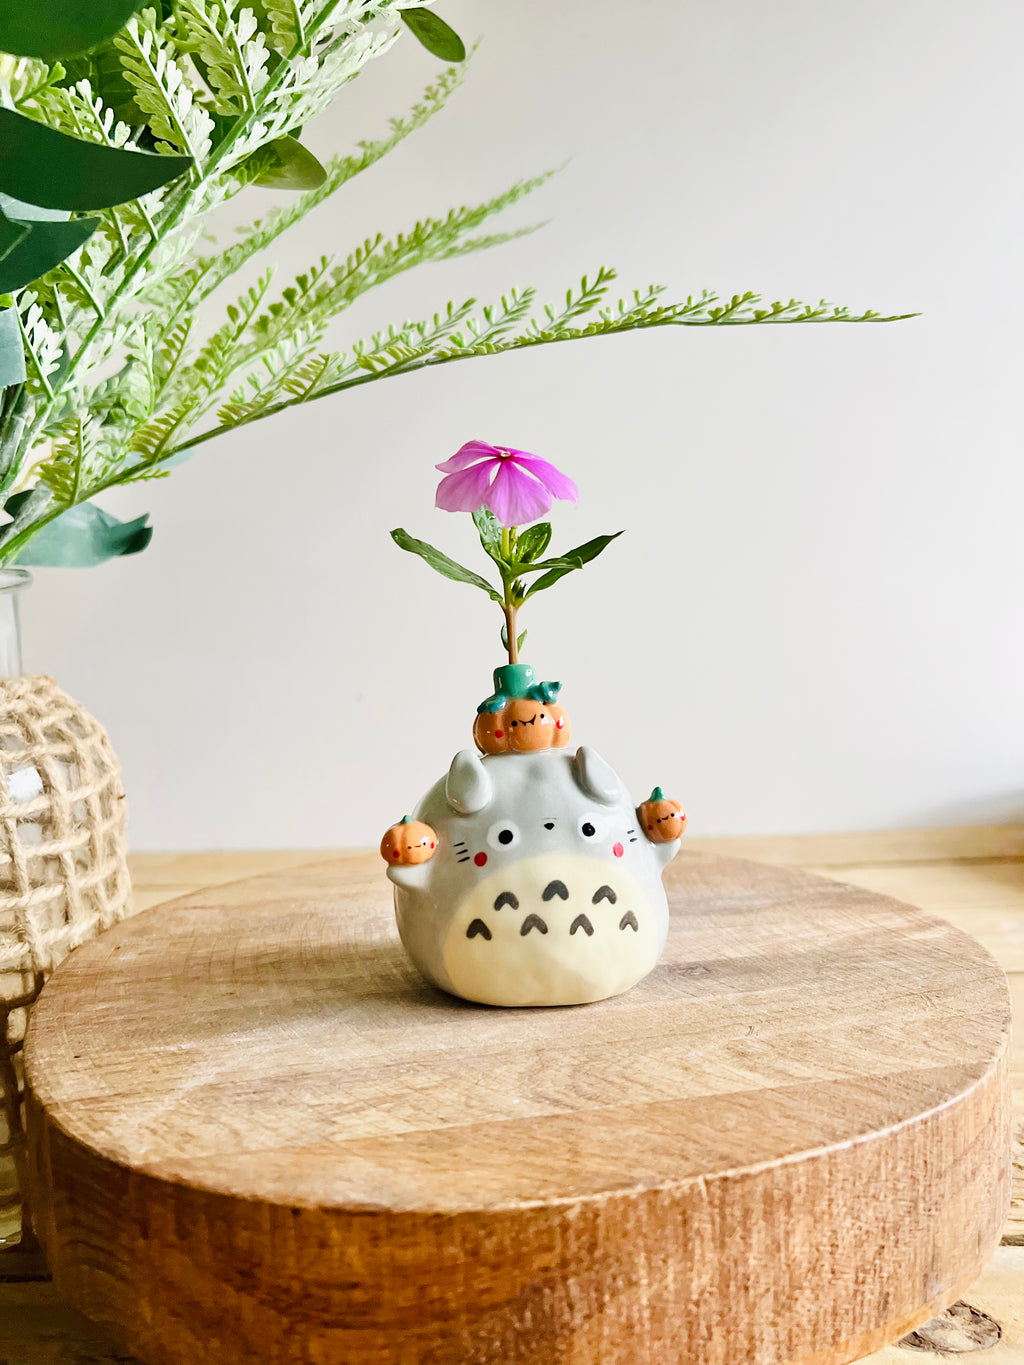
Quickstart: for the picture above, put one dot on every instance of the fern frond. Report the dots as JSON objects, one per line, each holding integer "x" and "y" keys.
{"x": 233, "y": 51}
{"x": 150, "y": 440}
{"x": 169, "y": 353}
{"x": 43, "y": 347}
{"x": 161, "y": 90}
{"x": 462, "y": 334}
{"x": 420, "y": 340}
{"x": 288, "y": 20}
{"x": 80, "y": 111}
{"x": 142, "y": 475}
{"x": 23, "y": 80}
{"x": 191, "y": 388}
{"x": 76, "y": 446}
{"x": 200, "y": 279}
{"x": 152, "y": 363}
{"x": 340, "y": 45}
{"x": 302, "y": 377}
{"x": 431, "y": 239}
{"x": 305, "y": 311}
{"x": 306, "y": 379}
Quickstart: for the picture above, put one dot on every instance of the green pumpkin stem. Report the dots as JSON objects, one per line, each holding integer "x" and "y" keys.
{"x": 656, "y": 795}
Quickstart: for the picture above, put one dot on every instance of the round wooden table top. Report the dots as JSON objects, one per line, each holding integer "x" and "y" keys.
{"x": 258, "y": 1134}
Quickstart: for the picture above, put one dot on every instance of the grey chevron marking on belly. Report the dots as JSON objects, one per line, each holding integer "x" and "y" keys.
{"x": 478, "y": 927}
{"x": 628, "y": 920}
{"x": 507, "y": 898}
{"x": 581, "y": 922}
{"x": 533, "y": 922}
{"x": 555, "y": 889}
{"x": 604, "y": 893}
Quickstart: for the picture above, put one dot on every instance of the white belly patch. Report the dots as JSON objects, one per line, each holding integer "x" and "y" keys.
{"x": 553, "y": 930}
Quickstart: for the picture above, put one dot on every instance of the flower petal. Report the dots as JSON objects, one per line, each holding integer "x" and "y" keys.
{"x": 465, "y": 491}
{"x": 515, "y": 498}
{"x": 553, "y": 479}
{"x": 467, "y": 455}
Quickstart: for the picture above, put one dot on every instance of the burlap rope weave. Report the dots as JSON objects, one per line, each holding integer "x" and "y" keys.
{"x": 63, "y": 864}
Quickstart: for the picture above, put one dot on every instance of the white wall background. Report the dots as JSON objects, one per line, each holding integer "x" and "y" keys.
{"x": 814, "y": 622}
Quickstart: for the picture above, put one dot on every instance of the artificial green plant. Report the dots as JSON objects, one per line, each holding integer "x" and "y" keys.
{"x": 120, "y": 380}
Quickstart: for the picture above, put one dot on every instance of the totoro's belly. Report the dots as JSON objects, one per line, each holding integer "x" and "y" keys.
{"x": 553, "y": 930}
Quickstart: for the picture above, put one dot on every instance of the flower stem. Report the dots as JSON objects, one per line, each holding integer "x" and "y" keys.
{"x": 511, "y": 612}
{"x": 509, "y": 606}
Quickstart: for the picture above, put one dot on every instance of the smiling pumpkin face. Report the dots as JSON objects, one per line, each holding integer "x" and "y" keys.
{"x": 522, "y": 726}
{"x": 531, "y": 726}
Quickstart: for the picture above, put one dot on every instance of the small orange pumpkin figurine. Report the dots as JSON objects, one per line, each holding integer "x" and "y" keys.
{"x": 522, "y": 726}
{"x": 662, "y": 819}
{"x": 407, "y": 843}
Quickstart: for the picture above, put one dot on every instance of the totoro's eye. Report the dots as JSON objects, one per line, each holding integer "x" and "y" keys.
{"x": 591, "y": 827}
{"x": 503, "y": 834}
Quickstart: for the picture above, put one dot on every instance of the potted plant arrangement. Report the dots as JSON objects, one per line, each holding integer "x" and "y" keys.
{"x": 528, "y": 876}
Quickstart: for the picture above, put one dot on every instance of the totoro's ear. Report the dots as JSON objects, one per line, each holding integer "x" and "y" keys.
{"x": 594, "y": 776}
{"x": 468, "y": 784}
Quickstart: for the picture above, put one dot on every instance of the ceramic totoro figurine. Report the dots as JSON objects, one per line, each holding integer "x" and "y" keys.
{"x": 544, "y": 887}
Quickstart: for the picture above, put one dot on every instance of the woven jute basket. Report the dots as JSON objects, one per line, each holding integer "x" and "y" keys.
{"x": 63, "y": 871}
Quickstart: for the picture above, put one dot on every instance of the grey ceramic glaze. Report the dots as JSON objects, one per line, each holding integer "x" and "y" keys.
{"x": 544, "y": 890}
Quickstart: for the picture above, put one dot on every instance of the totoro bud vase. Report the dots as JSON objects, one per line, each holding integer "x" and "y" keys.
{"x": 527, "y": 876}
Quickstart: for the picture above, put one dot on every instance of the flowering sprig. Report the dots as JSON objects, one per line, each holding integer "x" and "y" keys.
{"x": 504, "y": 487}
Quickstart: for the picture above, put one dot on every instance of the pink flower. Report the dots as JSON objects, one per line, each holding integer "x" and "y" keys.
{"x": 518, "y": 487}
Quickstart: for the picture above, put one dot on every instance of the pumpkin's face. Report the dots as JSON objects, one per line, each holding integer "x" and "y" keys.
{"x": 408, "y": 843}
{"x": 662, "y": 820}
{"x": 530, "y": 726}
{"x": 521, "y": 726}
{"x": 490, "y": 732}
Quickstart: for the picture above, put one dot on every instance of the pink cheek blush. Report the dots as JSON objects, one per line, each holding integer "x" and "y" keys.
{"x": 618, "y": 850}
{"x": 480, "y": 859}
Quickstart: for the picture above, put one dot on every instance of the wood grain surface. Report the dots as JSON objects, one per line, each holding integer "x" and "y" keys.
{"x": 259, "y": 1136}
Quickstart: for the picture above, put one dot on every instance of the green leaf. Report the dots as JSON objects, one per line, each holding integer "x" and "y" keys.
{"x": 25, "y": 508}
{"x": 504, "y": 638}
{"x": 12, "y": 352}
{"x": 82, "y": 537}
{"x": 574, "y": 559}
{"x": 10, "y": 236}
{"x": 48, "y": 28}
{"x": 533, "y": 542}
{"x": 103, "y": 70}
{"x": 442, "y": 563}
{"x": 49, "y": 168}
{"x": 37, "y": 247}
{"x": 489, "y": 530}
{"x": 435, "y": 35}
{"x": 290, "y": 166}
